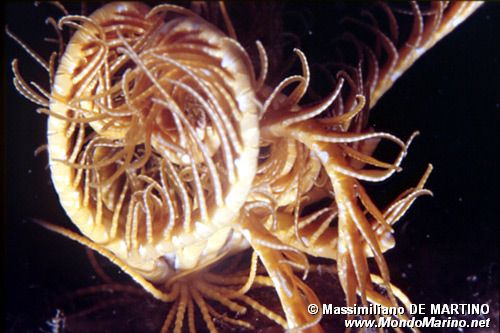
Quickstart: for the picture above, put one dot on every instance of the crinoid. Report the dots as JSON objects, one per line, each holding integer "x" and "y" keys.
{"x": 170, "y": 153}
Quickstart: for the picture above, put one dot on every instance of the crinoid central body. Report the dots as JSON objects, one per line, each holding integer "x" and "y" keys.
{"x": 153, "y": 136}
{"x": 169, "y": 154}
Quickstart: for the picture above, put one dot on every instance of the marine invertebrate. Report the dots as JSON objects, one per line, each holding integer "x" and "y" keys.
{"x": 137, "y": 191}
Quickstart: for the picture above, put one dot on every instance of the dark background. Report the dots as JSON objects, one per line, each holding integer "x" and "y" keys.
{"x": 447, "y": 245}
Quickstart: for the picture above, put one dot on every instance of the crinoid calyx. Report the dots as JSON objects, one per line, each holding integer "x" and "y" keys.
{"x": 170, "y": 153}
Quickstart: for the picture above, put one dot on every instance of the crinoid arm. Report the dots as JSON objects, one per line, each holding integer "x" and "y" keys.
{"x": 351, "y": 228}
{"x": 358, "y": 220}
{"x": 390, "y": 51}
{"x": 279, "y": 259}
{"x": 148, "y": 286}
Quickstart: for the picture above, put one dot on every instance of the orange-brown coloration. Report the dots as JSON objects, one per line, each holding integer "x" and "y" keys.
{"x": 169, "y": 153}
